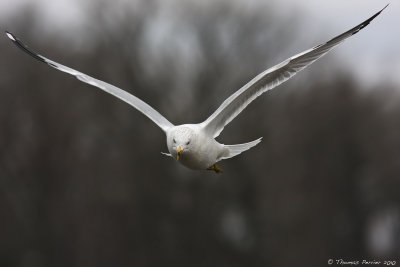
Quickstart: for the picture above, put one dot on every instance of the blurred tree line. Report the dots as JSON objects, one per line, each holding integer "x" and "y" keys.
{"x": 83, "y": 183}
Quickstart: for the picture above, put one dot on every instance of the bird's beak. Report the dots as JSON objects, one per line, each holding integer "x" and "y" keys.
{"x": 179, "y": 154}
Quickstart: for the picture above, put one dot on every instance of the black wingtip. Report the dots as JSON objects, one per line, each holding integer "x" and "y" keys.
{"x": 382, "y": 9}
{"x": 24, "y": 47}
{"x": 10, "y": 36}
{"x": 365, "y": 23}
{"x": 385, "y": 6}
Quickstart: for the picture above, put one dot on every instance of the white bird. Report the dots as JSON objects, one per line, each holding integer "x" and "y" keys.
{"x": 194, "y": 145}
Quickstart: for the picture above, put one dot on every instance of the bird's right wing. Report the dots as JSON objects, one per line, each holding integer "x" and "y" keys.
{"x": 132, "y": 100}
{"x": 271, "y": 78}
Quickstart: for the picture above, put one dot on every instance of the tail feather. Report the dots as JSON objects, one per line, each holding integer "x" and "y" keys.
{"x": 234, "y": 150}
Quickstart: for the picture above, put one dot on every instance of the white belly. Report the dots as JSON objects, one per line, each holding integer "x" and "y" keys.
{"x": 204, "y": 156}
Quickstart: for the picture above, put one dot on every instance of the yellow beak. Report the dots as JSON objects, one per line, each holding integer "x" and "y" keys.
{"x": 179, "y": 154}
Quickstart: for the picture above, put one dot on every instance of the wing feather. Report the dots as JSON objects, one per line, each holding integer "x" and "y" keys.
{"x": 271, "y": 78}
{"x": 132, "y": 100}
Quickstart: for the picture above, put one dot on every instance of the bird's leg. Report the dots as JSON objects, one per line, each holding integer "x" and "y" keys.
{"x": 215, "y": 168}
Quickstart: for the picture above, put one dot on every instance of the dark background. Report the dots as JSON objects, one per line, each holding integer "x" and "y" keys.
{"x": 83, "y": 183}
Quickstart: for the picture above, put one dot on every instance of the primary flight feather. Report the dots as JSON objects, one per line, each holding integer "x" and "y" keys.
{"x": 194, "y": 145}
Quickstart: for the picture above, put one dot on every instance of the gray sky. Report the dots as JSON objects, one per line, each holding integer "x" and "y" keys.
{"x": 373, "y": 55}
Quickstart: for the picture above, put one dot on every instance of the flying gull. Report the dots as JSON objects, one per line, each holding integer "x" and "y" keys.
{"x": 194, "y": 145}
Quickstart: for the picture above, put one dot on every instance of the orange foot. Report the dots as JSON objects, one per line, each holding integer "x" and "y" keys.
{"x": 215, "y": 168}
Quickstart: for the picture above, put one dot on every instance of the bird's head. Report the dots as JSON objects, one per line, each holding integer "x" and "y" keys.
{"x": 180, "y": 142}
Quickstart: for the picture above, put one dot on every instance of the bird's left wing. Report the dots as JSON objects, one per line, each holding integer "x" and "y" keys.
{"x": 132, "y": 100}
{"x": 271, "y": 78}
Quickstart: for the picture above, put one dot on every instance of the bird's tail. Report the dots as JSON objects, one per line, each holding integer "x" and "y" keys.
{"x": 234, "y": 150}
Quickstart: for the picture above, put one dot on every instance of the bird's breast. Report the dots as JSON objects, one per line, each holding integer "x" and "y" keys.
{"x": 203, "y": 155}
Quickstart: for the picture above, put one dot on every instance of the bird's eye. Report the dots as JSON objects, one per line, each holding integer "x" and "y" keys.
{"x": 173, "y": 140}
{"x": 188, "y": 142}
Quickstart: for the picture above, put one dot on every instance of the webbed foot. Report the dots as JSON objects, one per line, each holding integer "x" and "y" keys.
{"x": 215, "y": 168}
